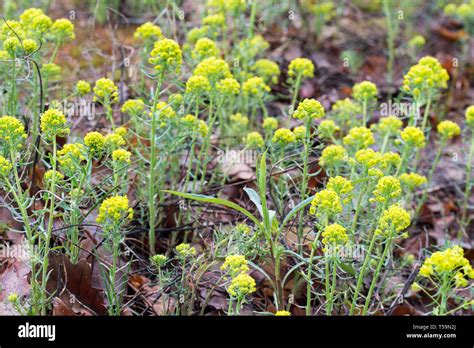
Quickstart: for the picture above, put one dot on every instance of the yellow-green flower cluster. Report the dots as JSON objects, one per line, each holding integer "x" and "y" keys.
{"x": 345, "y": 106}
{"x": 300, "y": 132}
{"x": 448, "y": 262}
{"x": 327, "y": 129}
{"x": 282, "y": 314}
{"x": 228, "y": 87}
{"x": 13, "y": 297}
{"x": 267, "y": 69}
{"x": 5, "y": 167}
{"x": 159, "y": 260}
{"x": 148, "y": 32}
{"x": 105, "y": 91}
{"x": 133, "y": 107}
{"x": 166, "y": 56}
{"x": 121, "y": 156}
{"x": 231, "y": 6}
{"x": 333, "y": 155}
{"x": 389, "y": 125}
{"x": 205, "y": 48}
{"x": 255, "y": 86}
{"x": 113, "y": 141}
{"x": 390, "y": 159}
{"x": 412, "y": 180}
{"x": 216, "y": 20}
{"x": 30, "y": 46}
{"x": 95, "y": 142}
{"x": 326, "y": 203}
{"x": 197, "y": 85}
{"x": 48, "y": 177}
{"x": 425, "y": 77}
{"x": 364, "y": 91}
{"x": 270, "y": 124}
{"x": 239, "y": 120}
{"x": 241, "y": 285}
{"x": 70, "y": 157}
{"x": 396, "y": 218}
{"x": 340, "y": 185}
{"x": 301, "y": 68}
{"x": 6, "y": 29}
{"x": 114, "y": 210}
{"x": 82, "y": 88}
{"x": 242, "y": 228}
{"x": 368, "y": 157}
{"x": 253, "y": 46}
{"x": 334, "y": 235}
{"x": 283, "y": 136}
{"x": 254, "y": 140}
{"x": 195, "y": 124}
{"x": 470, "y": 116}
{"x": 185, "y": 250}
{"x": 62, "y": 30}
{"x": 309, "y": 109}
{"x": 34, "y": 21}
{"x": 413, "y": 137}
{"x": 324, "y": 10}
{"x": 464, "y": 12}
{"x": 388, "y": 187}
{"x": 359, "y": 138}
{"x": 214, "y": 69}
{"x": 175, "y": 99}
{"x": 197, "y": 33}
{"x": 12, "y": 132}
{"x": 165, "y": 111}
{"x": 53, "y": 123}
{"x": 12, "y": 45}
{"x": 417, "y": 41}
{"x": 235, "y": 264}
{"x": 448, "y": 130}
{"x": 51, "y": 71}
{"x": 122, "y": 131}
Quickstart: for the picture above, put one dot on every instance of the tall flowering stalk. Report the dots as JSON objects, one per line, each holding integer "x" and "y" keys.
{"x": 447, "y": 271}
{"x": 423, "y": 82}
{"x": 53, "y": 124}
{"x": 365, "y": 93}
{"x": 12, "y": 137}
{"x": 106, "y": 93}
{"x": 308, "y": 111}
{"x": 114, "y": 212}
{"x": 393, "y": 220}
{"x": 299, "y": 70}
{"x": 166, "y": 57}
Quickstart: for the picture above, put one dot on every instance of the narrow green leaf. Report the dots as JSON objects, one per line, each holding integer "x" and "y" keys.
{"x": 295, "y": 210}
{"x": 255, "y": 199}
{"x": 218, "y": 201}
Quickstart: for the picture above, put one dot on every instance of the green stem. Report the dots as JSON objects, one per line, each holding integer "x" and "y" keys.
{"x": 330, "y": 300}
{"x": 295, "y": 94}
{"x": 430, "y": 177}
{"x": 468, "y": 181}
{"x": 50, "y": 226}
{"x": 360, "y": 279}
{"x": 426, "y": 113}
{"x": 253, "y": 14}
{"x": 388, "y": 246}
{"x": 304, "y": 184}
{"x": 308, "y": 283}
{"x": 151, "y": 181}
{"x": 364, "y": 113}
